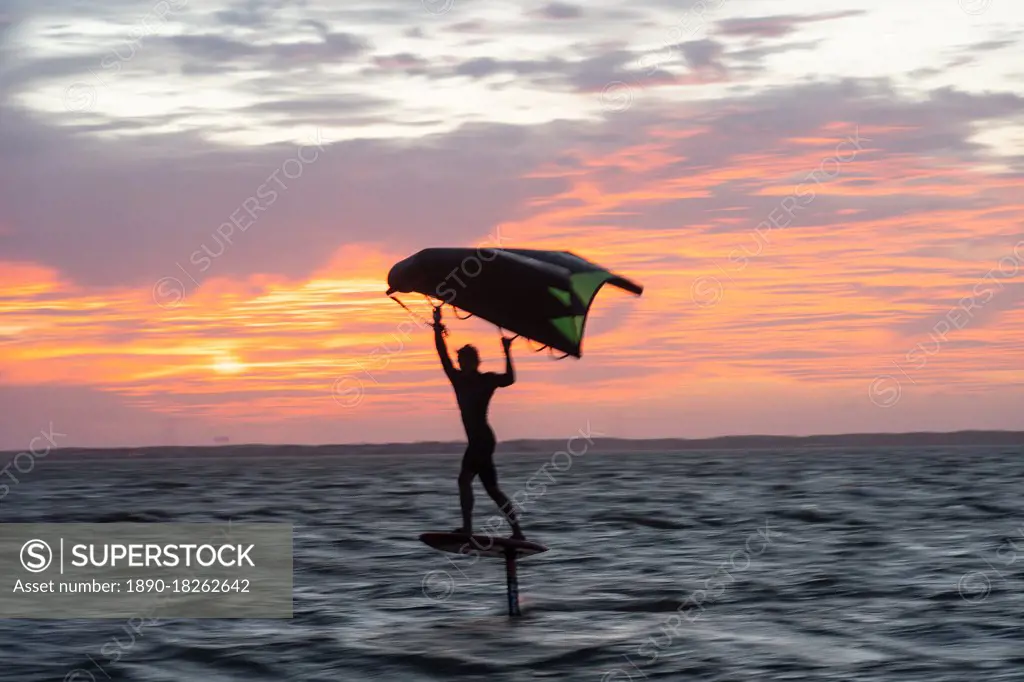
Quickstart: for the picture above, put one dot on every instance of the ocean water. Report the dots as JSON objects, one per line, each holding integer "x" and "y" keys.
{"x": 835, "y": 565}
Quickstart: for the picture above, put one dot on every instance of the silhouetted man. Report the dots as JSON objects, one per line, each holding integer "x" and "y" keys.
{"x": 473, "y": 391}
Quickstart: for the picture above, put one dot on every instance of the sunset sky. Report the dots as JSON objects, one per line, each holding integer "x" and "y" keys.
{"x": 823, "y": 201}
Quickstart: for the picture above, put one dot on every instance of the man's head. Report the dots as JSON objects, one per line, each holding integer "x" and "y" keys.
{"x": 469, "y": 359}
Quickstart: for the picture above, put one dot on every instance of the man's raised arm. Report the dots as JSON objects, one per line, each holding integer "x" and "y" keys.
{"x": 442, "y": 347}
{"x": 509, "y": 377}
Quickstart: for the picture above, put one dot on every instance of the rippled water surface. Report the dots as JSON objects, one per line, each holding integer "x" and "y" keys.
{"x": 811, "y": 565}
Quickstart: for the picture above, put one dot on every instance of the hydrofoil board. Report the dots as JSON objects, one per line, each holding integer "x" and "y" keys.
{"x": 484, "y": 545}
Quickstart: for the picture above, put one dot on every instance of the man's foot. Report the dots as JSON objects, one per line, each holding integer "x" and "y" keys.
{"x": 517, "y": 534}
{"x": 462, "y": 531}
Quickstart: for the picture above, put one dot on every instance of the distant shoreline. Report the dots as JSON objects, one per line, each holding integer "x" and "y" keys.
{"x": 552, "y": 445}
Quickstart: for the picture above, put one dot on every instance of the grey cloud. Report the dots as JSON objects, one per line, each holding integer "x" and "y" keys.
{"x": 321, "y": 108}
{"x": 319, "y": 27}
{"x": 561, "y": 10}
{"x": 485, "y": 66}
{"x": 591, "y": 73}
{"x": 702, "y": 53}
{"x": 250, "y": 14}
{"x": 779, "y": 25}
{"x": 472, "y": 26}
{"x": 24, "y": 73}
{"x": 595, "y": 73}
{"x": 199, "y": 54}
{"x": 761, "y": 52}
{"x": 214, "y": 48}
{"x": 992, "y": 45}
{"x": 8, "y": 25}
{"x": 405, "y": 62}
{"x": 588, "y": 74}
{"x": 248, "y": 19}
{"x": 944, "y": 117}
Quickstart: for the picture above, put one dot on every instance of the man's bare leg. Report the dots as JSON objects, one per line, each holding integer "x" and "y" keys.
{"x": 507, "y": 508}
{"x": 466, "y": 500}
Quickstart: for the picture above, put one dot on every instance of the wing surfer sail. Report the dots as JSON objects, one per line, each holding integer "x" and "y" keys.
{"x": 543, "y": 296}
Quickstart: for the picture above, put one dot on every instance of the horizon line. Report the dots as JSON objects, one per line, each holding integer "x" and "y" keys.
{"x": 1005, "y": 433}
